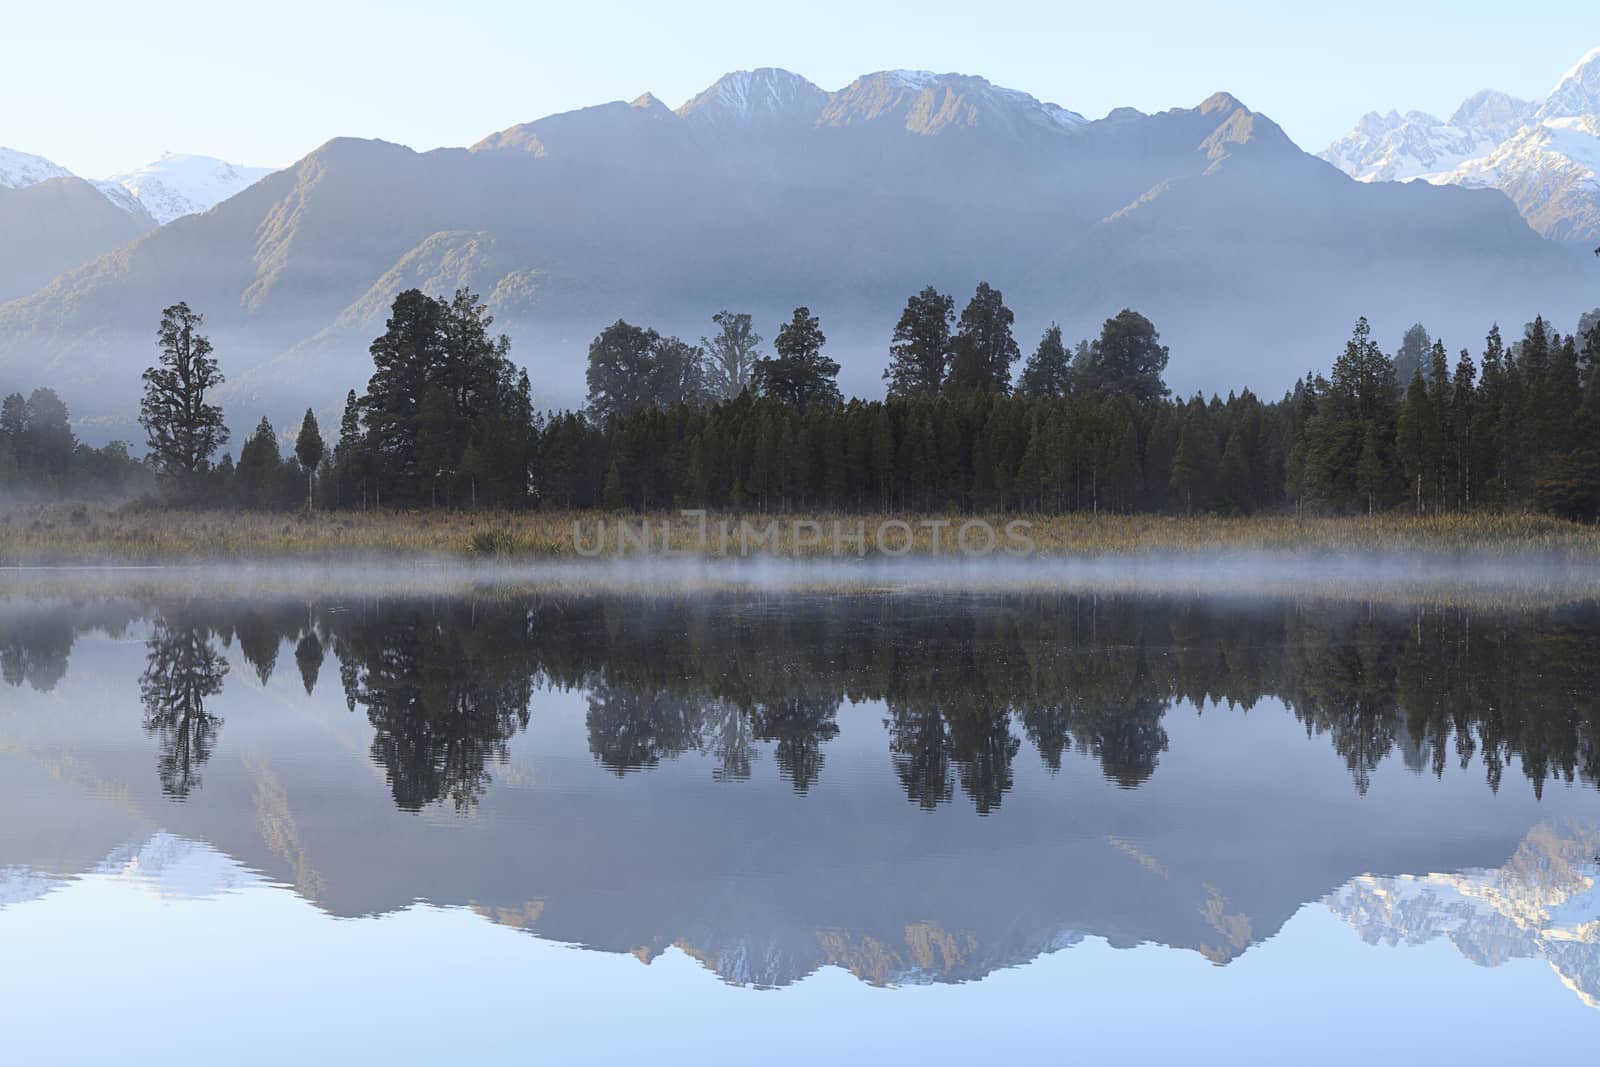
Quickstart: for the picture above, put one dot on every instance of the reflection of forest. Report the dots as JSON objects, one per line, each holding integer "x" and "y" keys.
{"x": 447, "y": 682}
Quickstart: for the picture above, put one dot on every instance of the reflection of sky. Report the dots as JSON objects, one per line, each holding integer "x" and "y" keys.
{"x": 105, "y": 970}
{"x": 125, "y": 963}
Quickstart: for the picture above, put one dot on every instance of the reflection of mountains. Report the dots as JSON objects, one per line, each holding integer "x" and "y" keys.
{"x": 1544, "y": 903}
{"x": 768, "y": 881}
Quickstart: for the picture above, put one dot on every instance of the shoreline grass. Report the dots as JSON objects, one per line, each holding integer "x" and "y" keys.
{"x": 139, "y": 534}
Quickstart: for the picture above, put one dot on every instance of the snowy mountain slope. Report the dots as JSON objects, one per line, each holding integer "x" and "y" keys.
{"x": 1578, "y": 91}
{"x": 1398, "y": 148}
{"x": 1549, "y": 170}
{"x": 1545, "y": 156}
{"x": 177, "y": 185}
{"x": 18, "y": 170}
{"x": 173, "y": 186}
{"x": 747, "y": 97}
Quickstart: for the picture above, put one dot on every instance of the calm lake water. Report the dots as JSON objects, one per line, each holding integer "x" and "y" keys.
{"x": 796, "y": 828}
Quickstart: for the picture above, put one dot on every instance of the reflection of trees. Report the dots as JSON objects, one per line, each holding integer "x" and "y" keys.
{"x": 35, "y": 650}
{"x": 799, "y": 726}
{"x": 445, "y": 687}
{"x": 919, "y": 742}
{"x": 308, "y": 655}
{"x": 1125, "y": 736}
{"x": 182, "y": 669}
{"x": 964, "y": 681}
{"x": 632, "y": 728}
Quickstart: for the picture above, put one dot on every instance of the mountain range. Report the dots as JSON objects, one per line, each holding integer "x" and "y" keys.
{"x": 764, "y": 192}
{"x": 1543, "y": 154}
{"x": 52, "y": 220}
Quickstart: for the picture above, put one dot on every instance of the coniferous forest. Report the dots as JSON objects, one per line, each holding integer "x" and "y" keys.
{"x": 968, "y": 423}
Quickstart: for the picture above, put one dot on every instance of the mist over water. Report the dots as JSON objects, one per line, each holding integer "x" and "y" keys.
{"x": 1475, "y": 576}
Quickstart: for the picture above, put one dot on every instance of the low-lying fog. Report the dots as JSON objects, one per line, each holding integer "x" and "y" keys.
{"x": 1402, "y": 575}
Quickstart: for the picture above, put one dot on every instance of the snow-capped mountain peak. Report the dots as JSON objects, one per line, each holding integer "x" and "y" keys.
{"x": 763, "y": 94}
{"x": 173, "y": 186}
{"x": 1545, "y": 156}
{"x": 1397, "y": 147}
{"x": 1492, "y": 114}
{"x": 1578, "y": 91}
{"x": 929, "y": 103}
{"x": 19, "y": 170}
{"x": 177, "y": 184}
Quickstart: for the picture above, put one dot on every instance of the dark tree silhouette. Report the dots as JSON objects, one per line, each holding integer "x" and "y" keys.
{"x": 183, "y": 669}
{"x": 183, "y": 429}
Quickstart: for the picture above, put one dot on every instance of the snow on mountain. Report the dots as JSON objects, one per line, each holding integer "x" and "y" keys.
{"x": 928, "y": 103}
{"x": 1558, "y": 151}
{"x": 18, "y": 885}
{"x": 1545, "y": 156}
{"x": 122, "y": 198}
{"x": 1493, "y": 114}
{"x": 18, "y": 170}
{"x": 1398, "y": 148}
{"x": 174, "y": 867}
{"x": 770, "y": 96}
{"x": 177, "y": 185}
{"x": 1578, "y": 91}
{"x": 173, "y": 186}
{"x": 1544, "y": 904}
{"x": 763, "y": 95}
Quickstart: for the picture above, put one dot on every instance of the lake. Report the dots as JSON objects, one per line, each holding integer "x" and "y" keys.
{"x": 783, "y": 826}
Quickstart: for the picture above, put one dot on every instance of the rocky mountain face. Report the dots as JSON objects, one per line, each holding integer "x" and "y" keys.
{"x": 765, "y": 192}
{"x": 1544, "y": 155}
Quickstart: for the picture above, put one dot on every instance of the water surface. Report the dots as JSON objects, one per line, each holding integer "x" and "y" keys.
{"x": 787, "y": 826}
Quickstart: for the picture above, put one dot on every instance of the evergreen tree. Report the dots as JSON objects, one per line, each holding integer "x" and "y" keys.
{"x": 1438, "y": 430}
{"x": 1047, "y": 373}
{"x": 257, "y": 474}
{"x": 921, "y": 349}
{"x": 1128, "y": 359}
{"x": 1415, "y": 428}
{"x": 440, "y": 384}
{"x": 183, "y": 430}
{"x": 349, "y": 454}
{"x": 800, "y": 375}
{"x": 308, "y": 450}
{"x": 1463, "y": 417}
{"x": 983, "y": 349}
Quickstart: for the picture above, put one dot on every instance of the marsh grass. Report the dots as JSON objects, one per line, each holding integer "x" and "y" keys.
{"x": 137, "y": 534}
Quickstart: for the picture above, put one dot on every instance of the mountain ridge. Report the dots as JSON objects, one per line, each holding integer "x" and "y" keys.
{"x": 1252, "y": 257}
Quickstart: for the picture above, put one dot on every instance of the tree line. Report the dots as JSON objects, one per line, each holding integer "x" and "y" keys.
{"x": 966, "y": 424}
{"x": 40, "y": 456}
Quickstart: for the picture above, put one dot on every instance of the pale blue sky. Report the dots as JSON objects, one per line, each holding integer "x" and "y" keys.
{"x": 105, "y": 86}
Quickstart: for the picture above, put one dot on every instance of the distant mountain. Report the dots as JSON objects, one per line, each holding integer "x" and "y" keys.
{"x": 1544, "y": 155}
{"x": 18, "y": 170}
{"x": 53, "y": 225}
{"x": 52, "y": 221}
{"x": 177, "y": 185}
{"x": 764, "y": 192}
